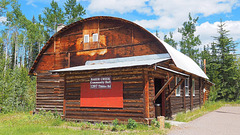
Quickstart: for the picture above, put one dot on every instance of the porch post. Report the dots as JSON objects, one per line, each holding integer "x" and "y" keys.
{"x": 191, "y": 93}
{"x": 146, "y": 94}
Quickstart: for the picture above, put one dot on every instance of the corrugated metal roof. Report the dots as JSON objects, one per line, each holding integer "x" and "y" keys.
{"x": 129, "y": 59}
{"x": 118, "y": 63}
{"x": 183, "y": 62}
{"x": 173, "y": 71}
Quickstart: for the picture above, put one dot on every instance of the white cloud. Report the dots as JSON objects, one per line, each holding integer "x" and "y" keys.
{"x": 169, "y": 13}
{"x": 208, "y": 31}
{"x": 172, "y": 13}
{"x": 3, "y": 19}
{"x": 121, "y": 6}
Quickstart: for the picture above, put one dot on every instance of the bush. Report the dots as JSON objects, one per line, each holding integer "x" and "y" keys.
{"x": 131, "y": 124}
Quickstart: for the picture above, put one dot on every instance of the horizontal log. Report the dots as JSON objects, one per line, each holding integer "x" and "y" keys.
{"x": 131, "y": 86}
{"x": 49, "y": 98}
{"x": 49, "y": 109}
{"x": 72, "y": 101}
{"x": 133, "y": 105}
{"x": 115, "y": 75}
{"x": 135, "y": 69}
{"x": 49, "y": 103}
{"x": 49, "y": 106}
{"x": 106, "y": 110}
{"x": 133, "y": 92}
{"x": 104, "y": 114}
{"x": 48, "y": 76}
{"x": 75, "y": 118}
{"x": 49, "y": 95}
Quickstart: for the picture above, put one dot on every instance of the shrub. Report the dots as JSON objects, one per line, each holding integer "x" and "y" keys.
{"x": 131, "y": 124}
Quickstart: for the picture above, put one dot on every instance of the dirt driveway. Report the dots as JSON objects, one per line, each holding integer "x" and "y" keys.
{"x": 224, "y": 121}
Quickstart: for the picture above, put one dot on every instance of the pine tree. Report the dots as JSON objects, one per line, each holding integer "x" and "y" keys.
{"x": 170, "y": 40}
{"x": 225, "y": 48}
{"x": 52, "y": 16}
{"x": 189, "y": 43}
{"x": 73, "y": 11}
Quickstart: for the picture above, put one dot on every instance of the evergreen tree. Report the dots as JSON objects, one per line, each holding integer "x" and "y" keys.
{"x": 225, "y": 48}
{"x": 73, "y": 11}
{"x": 170, "y": 40}
{"x": 190, "y": 42}
{"x": 52, "y": 16}
{"x": 3, "y": 6}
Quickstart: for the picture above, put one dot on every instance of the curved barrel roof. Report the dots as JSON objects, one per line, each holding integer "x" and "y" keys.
{"x": 181, "y": 61}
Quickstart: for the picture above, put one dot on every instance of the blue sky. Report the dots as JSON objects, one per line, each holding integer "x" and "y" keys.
{"x": 161, "y": 15}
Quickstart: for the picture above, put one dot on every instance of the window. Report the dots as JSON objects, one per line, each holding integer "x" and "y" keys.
{"x": 193, "y": 87}
{"x": 178, "y": 90}
{"x": 187, "y": 87}
{"x": 86, "y": 38}
{"x": 95, "y": 37}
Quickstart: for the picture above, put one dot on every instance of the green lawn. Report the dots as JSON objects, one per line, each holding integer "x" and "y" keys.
{"x": 48, "y": 124}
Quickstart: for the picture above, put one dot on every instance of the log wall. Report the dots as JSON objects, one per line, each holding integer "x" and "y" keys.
{"x": 133, "y": 102}
{"x": 50, "y": 92}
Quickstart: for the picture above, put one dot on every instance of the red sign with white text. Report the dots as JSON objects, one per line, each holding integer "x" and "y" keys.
{"x": 107, "y": 98}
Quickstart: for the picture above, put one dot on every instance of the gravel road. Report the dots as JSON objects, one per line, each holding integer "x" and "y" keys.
{"x": 224, "y": 121}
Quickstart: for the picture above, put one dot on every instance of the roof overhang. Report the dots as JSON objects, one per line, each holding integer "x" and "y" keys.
{"x": 183, "y": 62}
{"x": 143, "y": 60}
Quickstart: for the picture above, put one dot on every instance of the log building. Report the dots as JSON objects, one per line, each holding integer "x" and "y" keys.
{"x": 102, "y": 68}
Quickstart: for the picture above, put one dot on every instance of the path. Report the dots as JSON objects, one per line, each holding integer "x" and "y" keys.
{"x": 224, "y": 121}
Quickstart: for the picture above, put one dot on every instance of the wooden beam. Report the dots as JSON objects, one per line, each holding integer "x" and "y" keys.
{"x": 200, "y": 92}
{"x": 169, "y": 101}
{"x": 184, "y": 97}
{"x": 191, "y": 93}
{"x": 163, "y": 88}
{"x": 171, "y": 92}
{"x": 64, "y": 97}
{"x": 146, "y": 94}
{"x": 163, "y": 107}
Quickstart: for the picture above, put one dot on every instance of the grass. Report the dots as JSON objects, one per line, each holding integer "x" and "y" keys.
{"x": 49, "y": 124}
{"x": 207, "y": 107}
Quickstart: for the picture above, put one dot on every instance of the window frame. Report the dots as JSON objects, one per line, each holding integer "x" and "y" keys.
{"x": 186, "y": 83}
{"x": 84, "y": 38}
{"x": 178, "y": 89}
{"x": 95, "y": 34}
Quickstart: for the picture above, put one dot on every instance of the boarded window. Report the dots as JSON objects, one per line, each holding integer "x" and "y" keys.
{"x": 187, "y": 87}
{"x": 107, "y": 98}
{"x": 86, "y": 38}
{"x": 178, "y": 90}
{"x": 95, "y": 37}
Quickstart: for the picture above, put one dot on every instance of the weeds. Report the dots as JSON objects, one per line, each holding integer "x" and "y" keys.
{"x": 207, "y": 107}
{"x": 50, "y": 123}
{"x": 131, "y": 124}
{"x": 167, "y": 125}
{"x": 155, "y": 123}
